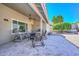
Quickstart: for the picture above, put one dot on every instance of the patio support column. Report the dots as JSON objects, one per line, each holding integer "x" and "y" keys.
{"x": 41, "y": 26}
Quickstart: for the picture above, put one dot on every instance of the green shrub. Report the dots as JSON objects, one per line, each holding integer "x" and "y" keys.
{"x": 57, "y": 26}
{"x": 62, "y": 26}
{"x": 78, "y": 29}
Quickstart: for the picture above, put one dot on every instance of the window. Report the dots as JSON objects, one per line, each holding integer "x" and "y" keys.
{"x": 15, "y": 26}
{"x": 19, "y": 26}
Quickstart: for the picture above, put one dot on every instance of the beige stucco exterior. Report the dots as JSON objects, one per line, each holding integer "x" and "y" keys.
{"x": 5, "y": 26}
{"x": 36, "y": 25}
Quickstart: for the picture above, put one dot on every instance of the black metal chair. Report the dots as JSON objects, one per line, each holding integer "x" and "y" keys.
{"x": 26, "y": 36}
{"x": 44, "y": 35}
{"x": 34, "y": 37}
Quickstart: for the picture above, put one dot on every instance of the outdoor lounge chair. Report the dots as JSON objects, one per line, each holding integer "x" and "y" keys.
{"x": 16, "y": 37}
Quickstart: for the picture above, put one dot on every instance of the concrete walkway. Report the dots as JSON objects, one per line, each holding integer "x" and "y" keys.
{"x": 73, "y": 38}
{"x": 55, "y": 45}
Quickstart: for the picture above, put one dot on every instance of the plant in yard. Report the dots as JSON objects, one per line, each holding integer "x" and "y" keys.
{"x": 62, "y": 26}
{"x": 56, "y": 21}
{"x": 59, "y": 25}
{"x": 66, "y": 26}
{"x": 78, "y": 29}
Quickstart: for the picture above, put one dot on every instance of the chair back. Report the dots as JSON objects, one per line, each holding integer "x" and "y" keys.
{"x": 32, "y": 35}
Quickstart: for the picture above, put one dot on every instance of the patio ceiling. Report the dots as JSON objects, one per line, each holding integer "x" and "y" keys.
{"x": 41, "y": 11}
{"x": 23, "y": 8}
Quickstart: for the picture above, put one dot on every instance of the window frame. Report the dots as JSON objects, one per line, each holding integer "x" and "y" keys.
{"x": 18, "y": 26}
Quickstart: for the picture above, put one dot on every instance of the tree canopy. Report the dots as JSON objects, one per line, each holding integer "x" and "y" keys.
{"x": 57, "y": 19}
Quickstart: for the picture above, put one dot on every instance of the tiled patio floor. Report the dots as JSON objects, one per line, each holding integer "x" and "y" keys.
{"x": 54, "y": 46}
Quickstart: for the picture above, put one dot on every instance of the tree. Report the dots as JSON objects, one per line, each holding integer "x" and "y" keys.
{"x": 60, "y": 19}
{"x": 57, "y": 19}
{"x": 54, "y": 20}
{"x": 62, "y": 26}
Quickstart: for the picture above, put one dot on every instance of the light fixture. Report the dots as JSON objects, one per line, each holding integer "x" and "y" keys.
{"x": 30, "y": 16}
{"x": 31, "y": 19}
{"x": 6, "y": 19}
{"x": 32, "y": 22}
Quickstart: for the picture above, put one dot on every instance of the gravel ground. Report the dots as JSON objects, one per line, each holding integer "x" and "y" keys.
{"x": 54, "y": 46}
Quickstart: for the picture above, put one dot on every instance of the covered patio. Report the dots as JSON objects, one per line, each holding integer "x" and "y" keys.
{"x": 55, "y": 45}
{"x": 28, "y": 18}
{"x": 21, "y": 18}
{"x": 35, "y": 13}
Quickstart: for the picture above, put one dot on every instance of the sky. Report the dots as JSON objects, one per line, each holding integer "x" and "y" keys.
{"x": 70, "y": 11}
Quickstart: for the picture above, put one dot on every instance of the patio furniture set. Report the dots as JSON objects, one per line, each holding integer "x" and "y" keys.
{"x": 33, "y": 37}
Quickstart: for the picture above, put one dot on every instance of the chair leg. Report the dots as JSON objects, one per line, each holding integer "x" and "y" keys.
{"x": 42, "y": 43}
{"x": 45, "y": 37}
{"x": 33, "y": 44}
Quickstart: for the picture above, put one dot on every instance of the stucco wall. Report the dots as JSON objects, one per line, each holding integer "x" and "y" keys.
{"x": 36, "y": 25}
{"x": 44, "y": 26}
{"x": 5, "y": 26}
{"x": 48, "y": 28}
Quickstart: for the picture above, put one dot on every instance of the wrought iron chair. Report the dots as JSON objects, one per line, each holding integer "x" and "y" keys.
{"x": 32, "y": 38}
{"x": 26, "y": 36}
{"x": 35, "y": 37}
{"x": 44, "y": 35}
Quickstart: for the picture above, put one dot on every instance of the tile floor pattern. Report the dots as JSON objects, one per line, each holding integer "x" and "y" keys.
{"x": 54, "y": 46}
